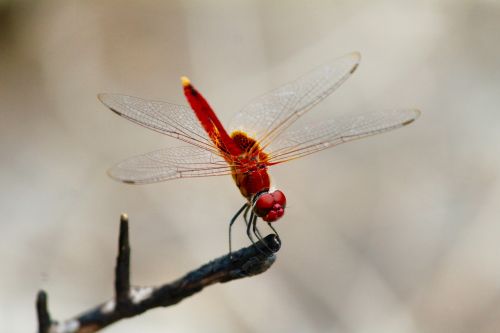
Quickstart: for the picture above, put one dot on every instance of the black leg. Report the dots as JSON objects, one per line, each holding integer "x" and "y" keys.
{"x": 256, "y": 231}
{"x": 245, "y": 214}
{"x": 275, "y": 232}
{"x": 249, "y": 225}
{"x": 245, "y": 206}
{"x": 257, "y": 234}
{"x": 253, "y": 222}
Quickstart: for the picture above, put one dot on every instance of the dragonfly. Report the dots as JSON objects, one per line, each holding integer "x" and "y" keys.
{"x": 262, "y": 134}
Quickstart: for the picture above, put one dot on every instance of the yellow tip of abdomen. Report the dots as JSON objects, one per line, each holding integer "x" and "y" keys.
{"x": 185, "y": 81}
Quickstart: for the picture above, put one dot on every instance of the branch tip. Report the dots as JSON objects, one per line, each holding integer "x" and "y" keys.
{"x": 124, "y": 217}
{"x": 123, "y": 239}
{"x": 122, "y": 269}
{"x": 44, "y": 320}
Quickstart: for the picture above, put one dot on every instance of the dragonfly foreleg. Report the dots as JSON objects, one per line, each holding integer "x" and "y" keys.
{"x": 245, "y": 214}
{"x": 238, "y": 213}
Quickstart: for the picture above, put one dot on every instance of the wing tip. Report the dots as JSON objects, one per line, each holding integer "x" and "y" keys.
{"x": 417, "y": 114}
{"x": 104, "y": 99}
{"x": 101, "y": 97}
{"x": 112, "y": 175}
{"x": 408, "y": 122}
{"x": 356, "y": 56}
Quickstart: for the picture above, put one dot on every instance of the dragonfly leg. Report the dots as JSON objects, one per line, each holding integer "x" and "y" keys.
{"x": 249, "y": 225}
{"x": 275, "y": 232}
{"x": 257, "y": 233}
{"x": 245, "y": 215}
{"x": 238, "y": 213}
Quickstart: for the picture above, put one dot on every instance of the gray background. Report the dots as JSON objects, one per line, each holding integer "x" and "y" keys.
{"x": 395, "y": 233}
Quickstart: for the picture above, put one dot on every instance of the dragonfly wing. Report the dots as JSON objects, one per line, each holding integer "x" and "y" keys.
{"x": 176, "y": 121}
{"x": 268, "y": 115}
{"x": 169, "y": 163}
{"x": 293, "y": 144}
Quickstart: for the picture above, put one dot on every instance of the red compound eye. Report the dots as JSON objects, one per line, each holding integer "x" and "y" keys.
{"x": 264, "y": 204}
{"x": 279, "y": 197}
{"x": 270, "y": 206}
{"x": 271, "y": 216}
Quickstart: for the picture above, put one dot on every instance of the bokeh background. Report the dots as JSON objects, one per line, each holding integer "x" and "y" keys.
{"x": 395, "y": 233}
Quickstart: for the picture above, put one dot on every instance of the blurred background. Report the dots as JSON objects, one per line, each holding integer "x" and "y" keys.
{"x": 396, "y": 233}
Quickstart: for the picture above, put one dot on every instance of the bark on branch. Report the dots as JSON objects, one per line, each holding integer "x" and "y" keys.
{"x": 131, "y": 301}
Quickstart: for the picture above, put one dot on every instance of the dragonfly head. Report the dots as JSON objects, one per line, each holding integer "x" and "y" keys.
{"x": 270, "y": 206}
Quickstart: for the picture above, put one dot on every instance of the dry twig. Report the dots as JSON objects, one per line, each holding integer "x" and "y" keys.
{"x": 131, "y": 301}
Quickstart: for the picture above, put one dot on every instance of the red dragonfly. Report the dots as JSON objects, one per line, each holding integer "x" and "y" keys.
{"x": 260, "y": 136}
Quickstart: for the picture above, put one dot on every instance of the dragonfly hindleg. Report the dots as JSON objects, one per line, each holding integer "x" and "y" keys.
{"x": 275, "y": 232}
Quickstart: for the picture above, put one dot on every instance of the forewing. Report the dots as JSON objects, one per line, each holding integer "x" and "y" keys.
{"x": 312, "y": 138}
{"x": 176, "y": 121}
{"x": 268, "y": 115}
{"x": 169, "y": 163}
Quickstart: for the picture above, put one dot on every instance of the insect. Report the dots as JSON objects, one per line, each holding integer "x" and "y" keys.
{"x": 261, "y": 135}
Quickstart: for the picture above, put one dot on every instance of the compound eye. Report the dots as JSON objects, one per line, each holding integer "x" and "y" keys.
{"x": 271, "y": 216}
{"x": 263, "y": 204}
{"x": 279, "y": 198}
{"x": 270, "y": 206}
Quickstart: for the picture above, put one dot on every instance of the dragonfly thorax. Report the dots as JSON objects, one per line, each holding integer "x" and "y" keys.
{"x": 253, "y": 179}
{"x": 249, "y": 169}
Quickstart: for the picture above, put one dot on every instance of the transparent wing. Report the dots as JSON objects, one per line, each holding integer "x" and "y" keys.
{"x": 176, "y": 121}
{"x": 169, "y": 163}
{"x": 268, "y": 115}
{"x": 312, "y": 138}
